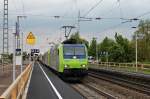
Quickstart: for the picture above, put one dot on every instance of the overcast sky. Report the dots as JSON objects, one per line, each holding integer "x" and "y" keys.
{"x": 46, "y": 28}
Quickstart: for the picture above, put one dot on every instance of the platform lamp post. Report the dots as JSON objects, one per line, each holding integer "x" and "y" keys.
{"x": 22, "y": 53}
{"x": 136, "y": 49}
{"x": 106, "y": 54}
{"x": 14, "y": 56}
{"x": 107, "y": 57}
{"x": 96, "y": 50}
{"x": 18, "y": 41}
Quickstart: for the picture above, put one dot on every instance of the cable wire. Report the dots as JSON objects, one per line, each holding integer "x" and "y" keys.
{"x": 121, "y": 12}
{"x": 111, "y": 9}
{"x": 146, "y": 13}
{"x": 93, "y": 7}
{"x": 23, "y": 7}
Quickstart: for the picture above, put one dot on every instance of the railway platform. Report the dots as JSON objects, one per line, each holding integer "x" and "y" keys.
{"x": 44, "y": 84}
{"x": 145, "y": 77}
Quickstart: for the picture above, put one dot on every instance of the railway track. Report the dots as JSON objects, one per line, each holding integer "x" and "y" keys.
{"x": 91, "y": 92}
{"x": 143, "y": 88}
{"x": 105, "y": 94}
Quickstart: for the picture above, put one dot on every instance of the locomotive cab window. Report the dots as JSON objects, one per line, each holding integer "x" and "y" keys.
{"x": 74, "y": 51}
{"x": 58, "y": 52}
{"x": 68, "y": 50}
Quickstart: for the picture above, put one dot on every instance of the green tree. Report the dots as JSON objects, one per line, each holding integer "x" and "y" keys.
{"x": 92, "y": 48}
{"x": 120, "y": 50}
{"x": 25, "y": 55}
{"x": 123, "y": 50}
{"x": 143, "y": 38}
{"x": 105, "y": 47}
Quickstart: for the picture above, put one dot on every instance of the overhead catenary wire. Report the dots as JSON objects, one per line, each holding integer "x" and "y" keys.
{"x": 69, "y": 10}
{"x": 13, "y": 1}
{"x": 44, "y": 16}
{"x": 74, "y": 18}
{"x": 57, "y": 17}
{"x": 111, "y": 9}
{"x": 146, "y": 13}
{"x": 115, "y": 18}
{"x": 66, "y": 17}
{"x": 99, "y": 18}
{"x": 129, "y": 20}
{"x": 112, "y": 27}
{"x": 136, "y": 18}
{"x": 23, "y": 7}
{"x": 76, "y": 5}
{"x": 23, "y": 12}
{"x": 118, "y": 25}
{"x": 93, "y": 7}
{"x": 120, "y": 9}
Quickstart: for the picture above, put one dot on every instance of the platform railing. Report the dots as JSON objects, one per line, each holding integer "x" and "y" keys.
{"x": 123, "y": 66}
{"x": 142, "y": 66}
{"x": 16, "y": 89}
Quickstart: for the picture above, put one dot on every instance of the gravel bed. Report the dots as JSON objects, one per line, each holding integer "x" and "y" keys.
{"x": 116, "y": 90}
{"x": 87, "y": 92}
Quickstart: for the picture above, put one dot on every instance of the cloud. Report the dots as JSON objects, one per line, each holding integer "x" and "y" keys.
{"x": 40, "y": 22}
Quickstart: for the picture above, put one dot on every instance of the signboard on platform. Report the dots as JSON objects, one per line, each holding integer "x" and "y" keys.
{"x": 31, "y": 39}
{"x": 18, "y": 52}
{"x": 35, "y": 50}
{"x": 18, "y": 60}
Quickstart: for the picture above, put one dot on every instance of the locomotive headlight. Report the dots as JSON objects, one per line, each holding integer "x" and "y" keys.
{"x": 83, "y": 66}
{"x": 74, "y": 57}
{"x": 66, "y": 66}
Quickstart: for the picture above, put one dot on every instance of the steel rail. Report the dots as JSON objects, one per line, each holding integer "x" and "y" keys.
{"x": 122, "y": 82}
{"x": 77, "y": 89}
{"x": 92, "y": 88}
{"x": 105, "y": 94}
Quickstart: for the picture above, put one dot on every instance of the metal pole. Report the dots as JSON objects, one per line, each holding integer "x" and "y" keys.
{"x": 22, "y": 53}
{"x": 136, "y": 50}
{"x": 107, "y": 56}
{"x": 18, "y": 32}
{"x": 136, "y": 53}
{"x": 14, "y": 57}
{"x": 96, "y": 51}
{"x": 65, "y": 33}
{"x": 18, "y": 39}
{"x": 78, "y": 22}
{"x": 107, "y": 59}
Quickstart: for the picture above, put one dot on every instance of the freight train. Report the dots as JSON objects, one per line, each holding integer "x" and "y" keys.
{"x": 67, "y": 59}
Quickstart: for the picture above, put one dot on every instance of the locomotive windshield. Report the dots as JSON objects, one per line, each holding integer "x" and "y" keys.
{"x": 77, "y": 51}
